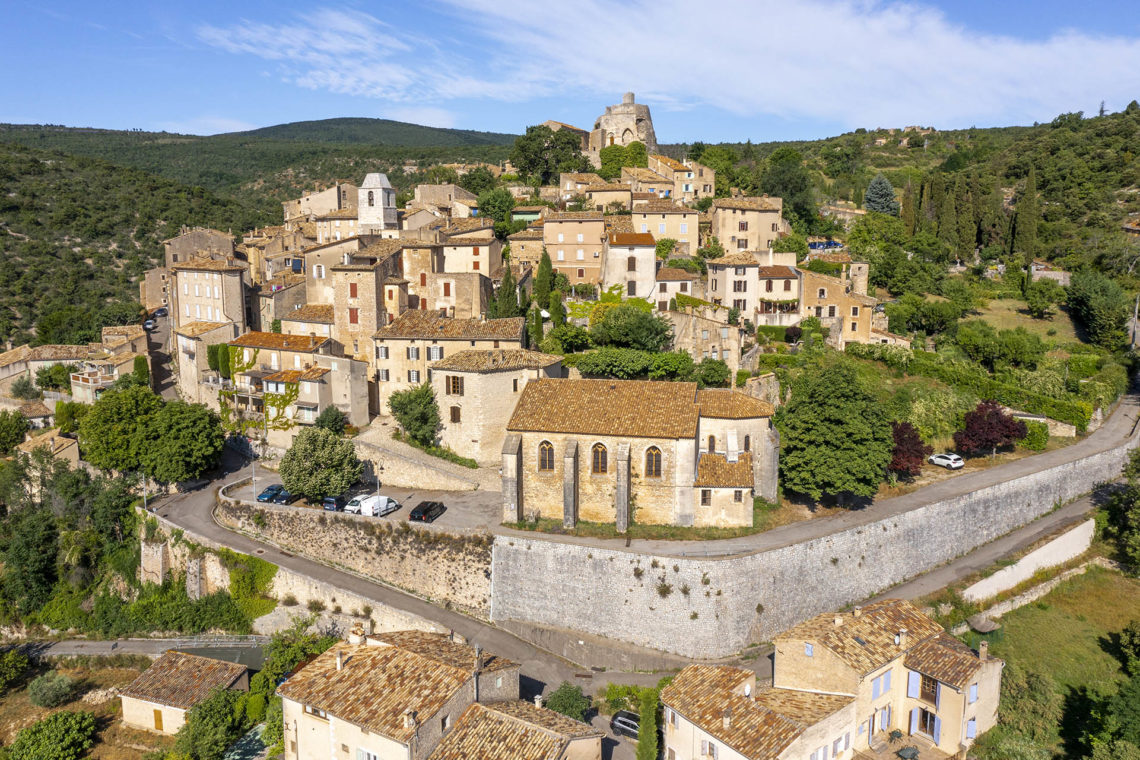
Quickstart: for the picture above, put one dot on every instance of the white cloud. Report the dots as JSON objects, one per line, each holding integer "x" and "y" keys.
{"x": 852, "y": 62}
{"x": 206, "y": 125}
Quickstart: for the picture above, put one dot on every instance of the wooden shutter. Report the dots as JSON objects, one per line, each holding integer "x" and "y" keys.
{"x": 937, "y": 729}
{"x": 874, "y": 688}
{"x": 913, "y": 683}
{"x": 973, "y": 693}
{"x": 158, "y": 720}
{"x": 914, "y": 721}
{"x": 937, "y": 695}
{"x": 971, "y": 728}
{"x": 886, "y": 682}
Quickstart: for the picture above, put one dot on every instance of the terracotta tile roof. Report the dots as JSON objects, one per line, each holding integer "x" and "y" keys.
{"x": 571, "y": 127}
{"x": 632, "y": 238}
{"x": 672, "y": 163}
{"x": 581, "y": 178}
{"x": 183, "y": 680}
{"x": 375, "y": 686}
{"x": 423, "y": 324}
{"x": 469, "y": 224}
{"x": 663, "y": 206}
{"x": 197, "y": 329}
{"x": 641, "y": 174}
{"x": 804, "y": 707}
{"x": 867, "y": 641}
{"x": 439, "y": 648}
{"x": 381, "y": 249}
{"x": 715, "y": 471}
{"x": 210, "y": 265}
{"x": 284, "y": 376}
{"x": 17, "y": 354}
{"x": 574, "y": 216}
{"x": 51, "y": 439}
{"x": 746, "y": 204}
{"x": 395, "y": 281}
{"x": 307, "y": 229}
{"x": 510, "y": 731}
{"x": 468, "y": 240}
{"x": 634, "y": 408}
{"x": 312, "y": 374}
{"x": 644, "y": 196}
{"x": 128, "y": 332}
{"x": 34, "y": 410}
{"x": 781, "y": 272}
{"x": 741, "y": 259}
{"x": 280, "y": 341}
{"x": 619, "y": 223}
{"x": 340, "y": 213}
{"x": 608, "y": 187}
{"x": 728, "y": 404}
{"x": 58, "y": 353}
{"x": 673, "y": 273}
{"x": 945, "y": 659}
{"x": 311, "y": 312}
{"x": 495, "y": 360}
{"x": 831, "y": 258}
{"x": 528, "y": 234}
{"x": 704, "y": 695}
{"x": 529, "y": 209}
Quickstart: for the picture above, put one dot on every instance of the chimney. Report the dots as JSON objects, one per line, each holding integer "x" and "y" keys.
{"x": 726, "y": 719}
{"x": 857, "y": 612}
{"x": 838, "y": 621}
{"x": 340, "y": 659}
{"x": 478, "y": 659}
{"x": 409, "y": 719}
{"x": 983, "y": 650}
{"x": 901, "y": 638}
{"x": 538, "y": 700}
{"x": 356, "y": 635}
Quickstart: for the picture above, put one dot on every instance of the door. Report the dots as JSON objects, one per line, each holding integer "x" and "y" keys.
{"x": 158, "y": 720}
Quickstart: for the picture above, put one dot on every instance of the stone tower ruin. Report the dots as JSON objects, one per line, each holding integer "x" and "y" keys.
{"x": 622, "y": 124}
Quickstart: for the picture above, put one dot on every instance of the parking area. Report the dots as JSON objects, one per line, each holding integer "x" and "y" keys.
{"x": 467, "y": 511}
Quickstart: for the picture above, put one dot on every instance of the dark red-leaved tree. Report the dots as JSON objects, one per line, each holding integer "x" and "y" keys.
{"x": 909, "y": 452}
{"x": 986, "y": 428}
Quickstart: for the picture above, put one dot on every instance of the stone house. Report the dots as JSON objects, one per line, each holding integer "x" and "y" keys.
{"x": 336, "y": 225}
{"x": 642, "y": 180}
{"x": 160, "y": 697}
{"x": 834, "y": 301}
{"x": 528, "y": 214}
{"x": 556, "y": 126}
{"x": 520, "y": 731}
{"x": 777, "y": 297}
{"x": 277, "y": 297}
{"x": 197, "y": 243}
{"x": 311, "y": 319}
{"x": 571, "y": 184}
{"x": 747, "y": 224}
{"x": 598, "y": 449}
{"x": 665, "y": 219}
{"x": 342, "y": 195}
{"x": 576, "y": 242}
{"x": 376, "y": 206}
{"x": 57, "y": 446}
{"x": 411, "y": 220}
{"x": 453, "y": 200}
{"x": 526, "y": 246}
{"x": 472, "y": 253}
{"x": 903, "y": 671}
{"x": 704, "y": 334}
{"x": 671, "y": 281}
{"x": 622, "y": 124}
{"x": 691, "y": 180}
{"x": 631, "y": 262}
{"x": 477, "y": 391}
{"x": 211, "y": 290}
{"x": 354, "y": 250}
{"x": 196, "y": 382}
{"x": 37, "y": 414}
{"x": 603, "y": 195}
{"x": 358, "y": 306}
{"x": 405, "y": 349}
{"x": 721, "y": 712}
{"x": 735, "y": 282}
{"x": 391, "y": 696}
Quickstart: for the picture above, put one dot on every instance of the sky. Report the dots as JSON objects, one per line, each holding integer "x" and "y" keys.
{"x": 717, "y": 70}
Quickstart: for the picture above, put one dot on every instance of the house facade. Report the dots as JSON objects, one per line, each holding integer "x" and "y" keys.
{"x": 160, "y": 697}
{"x": 576, "y": 242}
{"x": 631, "y": 263}
{"x": 665, "y": 219}
{"x": 211, "y": 290}
{"x": 691, "y": 180}
{"x": 747, "y": 224}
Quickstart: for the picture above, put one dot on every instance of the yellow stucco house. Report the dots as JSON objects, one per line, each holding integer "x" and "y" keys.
{"x": 160, "y": 697}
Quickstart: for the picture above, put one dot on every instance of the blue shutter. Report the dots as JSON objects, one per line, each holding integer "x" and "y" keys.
{"x": 914, "y": 721}
{"x": 937, "y": 729}
{"x": 913, "y": 684}
{"x": 808, "y": 649}
{"x": 973, "y": 693}
{"x": 887, "y": 719}
{"x": 971, "y": 728}
{"x": 874, "y": 688}
{"x": 937, "y": 695}
{"x": 886, "y": 682}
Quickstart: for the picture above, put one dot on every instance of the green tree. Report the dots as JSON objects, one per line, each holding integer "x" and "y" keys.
{"x": 113, "y": 434}
{"x": 1100, "y": 305}
{"x": 948, "y": 223}
{"x": 478, "y": 180}
{"x": 534, "y": 328}
{"x": 507, "y": 299}
{"x": 13, "y": 428}
{"x": 541, "y": 153}
{"x": 57, "y": 377}
{"x": 417, "y": 412}
{"x": 612, "y": 159}
{"x": 967, "y": 226}
{"x": 791, "y": 243}
{"x": 785, "y": 176}
{"x": 275, "y": 326}
{"x": 647, "y": 748}
{"x": 59, "y": 736}
{"x": 557, "y": 309}
{"x": 183, "y": 440}
{"x": 909, "y": 212}
{"x": 68, "y": 414}
{"x": 212, "y": 726}
{"x": 544, "y": 279}
{"x": 321, "y": 463}
{"x": 51, "y": 689}
{"x": 24, "y": 389}
{"x": 141, "y": 370}
{"x": 569, "y": 700}
{"x": 1025, "y": 222}
{"x": 496, "y": 204}
{"x": 636, "y": 155}
{"x": 332, "y": 419}
{"x": 14, "y": 666}
{"x": 711, "y": 373}
{"x": 880, "y": 197}
{"x": 30, "y": 560}
{"x": 627, "y": 326}
{"x": 1130, "y": 646}
{"x": 837, "y": 436}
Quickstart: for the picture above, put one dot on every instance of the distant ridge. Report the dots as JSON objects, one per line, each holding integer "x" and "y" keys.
{"x": 365, "y": 131}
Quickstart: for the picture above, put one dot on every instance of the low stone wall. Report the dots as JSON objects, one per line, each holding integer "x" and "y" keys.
{"x": 709, "y": 608}
{"x": 1072, "y": 543}
{"x": 408, "y": 471}
{"x": 445, "y": 568}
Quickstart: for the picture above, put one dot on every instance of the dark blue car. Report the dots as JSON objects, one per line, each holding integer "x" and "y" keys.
{"x": 284, "y": 497}
{"x": 269, "y": 493}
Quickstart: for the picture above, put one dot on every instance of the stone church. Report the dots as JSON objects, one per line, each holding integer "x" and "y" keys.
{"x": 622, "y": 124}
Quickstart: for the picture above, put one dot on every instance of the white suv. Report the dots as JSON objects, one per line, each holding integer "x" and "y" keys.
{"x": 949, "y": 461}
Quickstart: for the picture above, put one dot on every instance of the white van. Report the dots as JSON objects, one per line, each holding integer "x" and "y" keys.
{"x": 372, "y": 505}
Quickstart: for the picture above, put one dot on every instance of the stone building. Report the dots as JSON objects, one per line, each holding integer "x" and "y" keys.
{"x": 526, "y": 246}
{"x": 472, "y": 253}
{"x": 747, "y": 224}
{"x": 197, "y": 243}
{"x": 160, "y": 697}
{"x": 571, "y": 184}
{"x": 631, "y": 262}
{"x": 196, "y": 382}
{"x": 704, "y": 334}
{"x": 390, "y": 696}
{"x": 519, "y": 731}
{"x": 691, "y": 180}
{"x": 846, "y": 313}
{"x": 210, "y": 290}
{"x": 450, "y": 200}
{"x": 276, "y": 297}
{"x": 622, "y": 124}
{"x": 672, "y": 281}
{"x": 337, "y": 225}
{"x": 311, "y": 319}
{"x": 376, "y": 205}
{"x": 405, "y": 349}
{"x": 576, "y": 242}
{"x": 759, "y": 285}
{"x": 665, "y": 219}
{"x": 600, "y": 450}
{"x": 647, "y": 182}
{"x": 902, "y": 671}
{"x": 477, "y": 391}
{"x": 607, "y": 194}
{"x": 342, "y": 195}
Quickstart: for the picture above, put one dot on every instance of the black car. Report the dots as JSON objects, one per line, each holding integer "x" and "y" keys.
{"x": 270, "y": 492}
{"x": 625, "y": 723}
{"x": 160, "y": 312}
{"x": 334, "y": 503}
{"x": 427, "y": 511}
{"x": 284, "y": 497}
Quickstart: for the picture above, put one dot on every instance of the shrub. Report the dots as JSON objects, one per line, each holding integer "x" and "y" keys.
{"x": 1130, "y": 647}
{"x": 212, "y": 725}
{"x": 568, "y": 700}
{"x": 647, "y": 733}
{"x": 60, "y": 736}
{"x": 255, "y": 708}
{"x": 1036, "y": 436}
{"x": 332, "y": 419}
{"x": 289, "y": 600}
{"x": 13, "y": 668}
{"x": 24, "y": 389}
{"x": 316, "y": 605}
{"x": 51, "y": 689}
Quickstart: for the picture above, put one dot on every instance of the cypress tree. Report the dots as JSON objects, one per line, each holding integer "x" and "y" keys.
{"x": 927, "y": 211}
{"x": 557, "y": 309}
{"x": 507, "y": 302}
{"x": 937, "y": 194}
{"x": 1025, "y": 231}
{"x": 948, "y": 223}
{"x": 880, "y": 196}
{"x": 910, "y": 209}
{"x": 534, "y": 327}
{"x": 964, "y": 207}
{"x": 544, "y": 279}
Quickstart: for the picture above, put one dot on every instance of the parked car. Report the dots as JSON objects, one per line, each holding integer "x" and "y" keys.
{"x": 949, "y": 461}
{"x": 427, "y": 511}
{"x": 334, "y": 503}
{"x": 270, "y": 492}
{"x": 160, "y": 312}
{"x": 372, "y": 505}
{"x": 148, "y": 325}
{"x": 386, "y": 506}
{"x": 625, "y": 723}
{"x": 284, "y": 497}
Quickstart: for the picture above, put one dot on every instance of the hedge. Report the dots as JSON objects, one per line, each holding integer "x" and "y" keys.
{"x": 773, "y": 332}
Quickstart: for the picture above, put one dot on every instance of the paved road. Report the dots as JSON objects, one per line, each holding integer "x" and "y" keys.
{"x": 158, "y": 344}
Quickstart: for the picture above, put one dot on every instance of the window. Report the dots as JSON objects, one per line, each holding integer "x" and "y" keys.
{"x": 316, "y": 712}
{"x": 741, "y": 244}
{"x": 644, "y": 227}
{"x": 973, "y": 694}
{"x": 748, "y": 443}
{"x": 685, "y": 287}
{"x": 382, "y": 375}
{"x": 371, "y": 198}
{"x": 631, "y": 288}
{"x": 354, "y": 316}
{"x": 767, "y": 286}
{"x": 475, "y": 251}
{"x": 631, "y": 264}
{"x": 423, "y": 279}
{"x": 684, "y": 228}
{"x": 742, "y": 227}
{"x": 854, "y": 311}
{"x": 474, "y": 266}
{"x": 661, "y": 228}
{"x": 704, "y": 334}
{"x": 515, "y": 385}
{"x": 561, "y": 255}
{"x": 599, "y": 465}
{"x": 831, "y": 311}
{"x": 455, "y": 414}
{"x": 662, "y": 288}
{"x": 739, "y": 271}
{"x": 561, "y": 238}
{"x": 662, "y": 306}
{"x": 581, "y": 273}
{"x": 435, "y": 353}
{"x": 352, "y": 290}
{"x": 580, "y": 237}
{"x": 739, "y": 303}
{"x": 712, "y": 443}
{"x": 546, "y": 457}
{"x": 971, "y": 728}
{"x": 447, "y": 289}
{"x": 928, "y": 689}
{"x": 837, "y": 747}
{"x": 787, "y": 285}
{"x": 580, "y": 254}
{"x": 319, "y": 271}
{"x": 454, "y": 385}
{"x": 822, "y": 293}
{"x": 653, "y": 462}
{"x": 854, "y": 327}
{"x": 413, "y": 376}
{"x": 713, "y": 283}
{"x": 706, "y": 497}
{"x": 445, "y": 723}
{"x": 809, "y": 650}
{"x": 381, "y": 352}
{"x": 738, "y": 496}
{"x": 740, "y": 286}
{"x": 413, "y": 352}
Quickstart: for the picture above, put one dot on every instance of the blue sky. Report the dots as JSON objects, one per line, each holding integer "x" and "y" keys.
{"x": 715, "y": 70}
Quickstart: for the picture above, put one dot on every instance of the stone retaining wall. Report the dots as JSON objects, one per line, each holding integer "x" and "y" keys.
{"x": 1072, "y": 543}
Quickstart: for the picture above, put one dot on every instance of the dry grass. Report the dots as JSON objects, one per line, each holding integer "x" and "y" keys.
{"x": 113, "y": 740}
{"x": 1010, "y": 313}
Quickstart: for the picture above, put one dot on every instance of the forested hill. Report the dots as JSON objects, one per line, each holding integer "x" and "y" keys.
{"x": 363, "y": 131}
{"x": 75, "y": 234}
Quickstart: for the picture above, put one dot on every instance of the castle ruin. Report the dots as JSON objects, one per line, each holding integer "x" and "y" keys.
{"x": 622, "y": 124}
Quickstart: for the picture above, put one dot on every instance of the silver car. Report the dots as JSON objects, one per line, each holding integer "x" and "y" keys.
{"x": 949, "y": 461}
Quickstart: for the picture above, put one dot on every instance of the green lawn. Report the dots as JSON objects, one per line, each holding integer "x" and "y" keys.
{"x": 1009, "y": 313}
